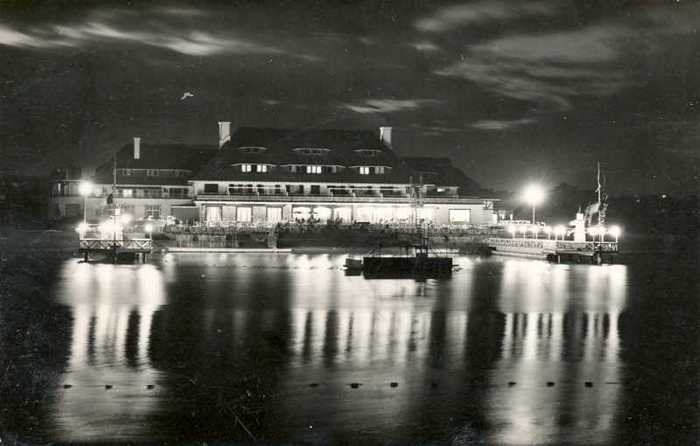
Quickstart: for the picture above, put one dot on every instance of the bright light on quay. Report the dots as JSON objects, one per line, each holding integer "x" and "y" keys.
{"x": 107, "y": 227}
{"x": 559, "y": 231}
{"x": 85, "y": 188}
{"x": 533, "y": 195}
{"x": 615, "y": 231}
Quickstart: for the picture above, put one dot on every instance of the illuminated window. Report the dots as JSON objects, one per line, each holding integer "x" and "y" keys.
{"x": 459, "y": 216}
{"x": 313, "y": 169}
{"x": 261, "y": 168}
{"x": 152, "y": 211}
{"x": 245, "y": 168}
{"x": 364, "y": 170}
{"x": 127, "y": 193}
{"x": 244, "y": 214}
{"x": 274, "y": 215}
{"x": 379, "y": 169}
{"x": 425, "y": 214}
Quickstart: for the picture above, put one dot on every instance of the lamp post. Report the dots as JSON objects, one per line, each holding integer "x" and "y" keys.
{"x": 512, "y": 229}
{"x": 533, "y": 195}
{"x": 85, "y": 189}
{"x": 149, "y": 229}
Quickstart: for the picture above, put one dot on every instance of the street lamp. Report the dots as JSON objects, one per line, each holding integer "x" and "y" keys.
{"x": 512, "y": 229}
{"x": 534, "y": 230}
{"x": 81, "y": 229}
{"x": 533, "y": 195}
{"x": 149, "y": 229}
{"x": 615, "y": 231}
{"x": 593, "y": 231}
{"x": 523, "y": 229}
{"x": 559, "y": 231}
{"x": 85, "y": 189}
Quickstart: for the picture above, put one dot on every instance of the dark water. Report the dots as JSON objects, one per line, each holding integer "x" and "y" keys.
{"x": 236, "y": 347}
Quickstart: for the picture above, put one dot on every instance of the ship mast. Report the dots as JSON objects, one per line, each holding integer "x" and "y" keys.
{"x": 602, "y": 205}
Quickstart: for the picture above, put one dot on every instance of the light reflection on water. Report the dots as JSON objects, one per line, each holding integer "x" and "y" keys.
{"x": 471, "y": 354}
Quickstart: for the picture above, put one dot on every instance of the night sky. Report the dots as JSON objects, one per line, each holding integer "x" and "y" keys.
{"x": 511, "y": 91}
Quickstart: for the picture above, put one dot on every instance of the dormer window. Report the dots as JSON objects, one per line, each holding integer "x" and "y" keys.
{"x": 311, "y": 150}
{"x": 371, "y": 170}
{"x": 246, "y": 168}
{"x": 252, "y": 149}
{"x": 314, "y": 169}
{"x": 261, "y": 168}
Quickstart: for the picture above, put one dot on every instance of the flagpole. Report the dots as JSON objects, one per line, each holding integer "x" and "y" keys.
{"x": 114, "y": 203}
{"x": 598, "y": 181}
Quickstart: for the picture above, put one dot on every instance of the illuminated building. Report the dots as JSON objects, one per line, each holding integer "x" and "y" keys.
{"x": 268, "y": 175}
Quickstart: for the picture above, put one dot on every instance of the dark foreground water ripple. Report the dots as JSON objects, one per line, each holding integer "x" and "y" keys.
{"x": 287, "y": 347}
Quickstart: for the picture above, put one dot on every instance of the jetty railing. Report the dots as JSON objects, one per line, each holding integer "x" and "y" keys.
{"x": 548, "y": 245}
{"x": 92, "y": 244}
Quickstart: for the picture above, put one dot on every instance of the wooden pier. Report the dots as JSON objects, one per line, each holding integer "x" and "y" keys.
{"x": 595, "y": 252}
{"x": 137, "y": 248}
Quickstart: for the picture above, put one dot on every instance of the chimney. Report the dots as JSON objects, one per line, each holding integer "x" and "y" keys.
{"x": 224, "y": 132}
{"x": 385, "y": 135}
{"x": 137, "y": 147}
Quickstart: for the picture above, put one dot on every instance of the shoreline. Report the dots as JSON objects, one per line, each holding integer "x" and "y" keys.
{"x": 56, "y": 244}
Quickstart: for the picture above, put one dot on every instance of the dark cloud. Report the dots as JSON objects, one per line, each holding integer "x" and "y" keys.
{"x": 480, "y": 12}
{"x": 507, "y": 88}
{"x": 390, "y": 105}
{"x": 501, "y": 125}
{"x": 123, "y": 26}
{"x": 546, "y": 69}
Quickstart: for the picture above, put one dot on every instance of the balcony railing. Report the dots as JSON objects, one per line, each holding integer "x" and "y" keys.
{"x": 351, "y": 198}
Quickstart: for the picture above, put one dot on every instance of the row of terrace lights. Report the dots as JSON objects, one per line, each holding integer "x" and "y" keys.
{"x": 86, "y": 188}
{"x": 558, "y": 231}
{"x": 108, "y": 226}
{"x": 602, "y": 231}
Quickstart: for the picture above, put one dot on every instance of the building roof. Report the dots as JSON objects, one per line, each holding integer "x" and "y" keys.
{"x": 440, "y": 171}
{"x": 156, "y": 156}
{"x": 280, "y": 147}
